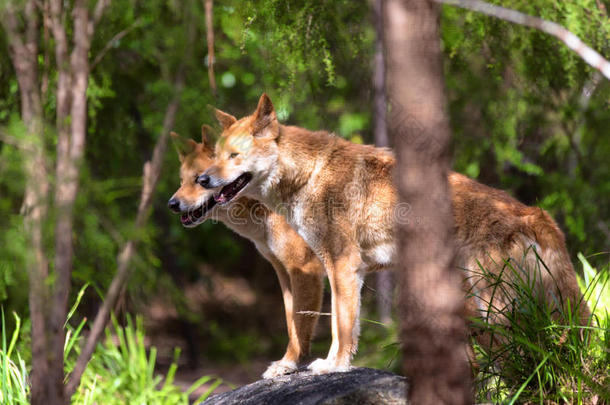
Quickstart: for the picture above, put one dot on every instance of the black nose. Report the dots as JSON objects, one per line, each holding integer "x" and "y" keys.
{"x": 203, "y": 180}
{"x": 174, "y": 205}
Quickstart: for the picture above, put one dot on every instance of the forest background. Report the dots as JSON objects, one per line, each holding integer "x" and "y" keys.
{"x": 527, "y": 116}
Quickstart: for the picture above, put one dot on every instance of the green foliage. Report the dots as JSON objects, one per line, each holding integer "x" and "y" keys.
{"x": 595, "y": 285}
{"x": 13, "y": 243}
{"x": 535, "y": 359}
{"x": 14, "y": 387}
{"x": 541, "y": 353}
{"x": 297, "y": 51}
{"x": 379, "y": 346}
{"x": 239, "y": 347}
{"x": 302, "y": 33}
{"x": 529, "y": 115}
{"x": 122, "y": 371}
{"x": 517, "y": 109}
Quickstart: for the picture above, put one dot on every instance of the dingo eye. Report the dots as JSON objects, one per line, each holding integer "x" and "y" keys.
{"x": 233, "y": 155}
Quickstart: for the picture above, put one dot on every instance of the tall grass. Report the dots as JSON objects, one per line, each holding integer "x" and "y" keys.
{"x": 121, "y": 370}
{"x": 535, "y": 358}
{"x": 14, "y": 387}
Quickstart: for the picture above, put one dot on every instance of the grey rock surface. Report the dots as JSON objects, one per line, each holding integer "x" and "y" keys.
{"x": 359, "y": 386}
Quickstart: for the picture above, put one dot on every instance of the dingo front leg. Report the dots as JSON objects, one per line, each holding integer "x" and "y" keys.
{"x": 288, "y": 363}
{"x": 345, "y": 283}
{"x": 302, "y": 292}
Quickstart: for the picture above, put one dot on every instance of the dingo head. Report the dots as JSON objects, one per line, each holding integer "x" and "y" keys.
{"x": 245, "y": 153}
{"x": 192, "y": 201}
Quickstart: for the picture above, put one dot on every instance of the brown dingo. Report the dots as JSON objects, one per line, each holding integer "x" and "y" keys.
{"x": 340, "y": 198}
{"x": 298, "y": 269}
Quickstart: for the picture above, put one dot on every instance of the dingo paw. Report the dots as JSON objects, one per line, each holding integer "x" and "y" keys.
{"x": 324, "y": 366}
{"x": 279, "y": 368}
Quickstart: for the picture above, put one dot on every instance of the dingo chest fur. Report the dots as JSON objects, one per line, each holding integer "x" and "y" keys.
{"x": 341, "y": 200}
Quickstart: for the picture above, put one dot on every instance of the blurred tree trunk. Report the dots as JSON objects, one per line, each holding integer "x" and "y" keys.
{"x": 384, "y": 285}
{"x": 48, "y": 296}
{"x": 23, "y": 45}
{"x": 434, "y": 333}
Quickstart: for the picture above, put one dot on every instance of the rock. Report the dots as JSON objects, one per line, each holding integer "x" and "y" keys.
{"x": 362, "y": 386}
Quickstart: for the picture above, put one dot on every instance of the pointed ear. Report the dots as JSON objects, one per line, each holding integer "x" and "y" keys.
{"x": 207, "y": 132}
{"x": 225, "y": 120}
{"x": 183, "y": 146}
{"x": 264, "y": 114}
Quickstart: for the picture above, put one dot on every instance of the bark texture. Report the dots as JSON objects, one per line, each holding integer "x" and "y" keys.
{"x": 434, "y": 333}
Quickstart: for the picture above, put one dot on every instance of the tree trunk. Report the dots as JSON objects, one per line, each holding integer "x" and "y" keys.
{"x": 434, "y": 333}
{"x": 384, "y": 285}
{"x": 67, "y": 185}
{"x": 48, "y": 298}
{"x": 24, "y": 56}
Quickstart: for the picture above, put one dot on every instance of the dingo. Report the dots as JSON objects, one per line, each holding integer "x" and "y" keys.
{"x": 340, "y": 198}
{"x": 298, "y": 269}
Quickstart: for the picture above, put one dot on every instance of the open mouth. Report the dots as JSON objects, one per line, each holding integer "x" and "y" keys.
{"x": 192, "y": 217}
{"x": 229, "y": 191}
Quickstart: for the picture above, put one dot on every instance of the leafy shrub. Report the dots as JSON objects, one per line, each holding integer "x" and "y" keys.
{"x": 121, "y": 371}
{"x": 538, "y": 359}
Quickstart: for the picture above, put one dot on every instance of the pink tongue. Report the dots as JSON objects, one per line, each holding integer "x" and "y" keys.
{"x": 220, "y": 198}
{"x": 184, "y": 218}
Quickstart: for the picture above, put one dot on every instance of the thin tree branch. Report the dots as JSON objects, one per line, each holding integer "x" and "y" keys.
{"x": 69, "y": 161}
{"x": 117, "y": 37}
{"x": 10, "y": 22}
{"x": 98, "y": 12}
{"x": 602, "y": 7}
{"x": 23, "y": 48}
{"x": 209, "y": 25}
{"x": 15, "y": 142}
{"x": 575, "y": 136}
{"x": 589, "y": 55}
